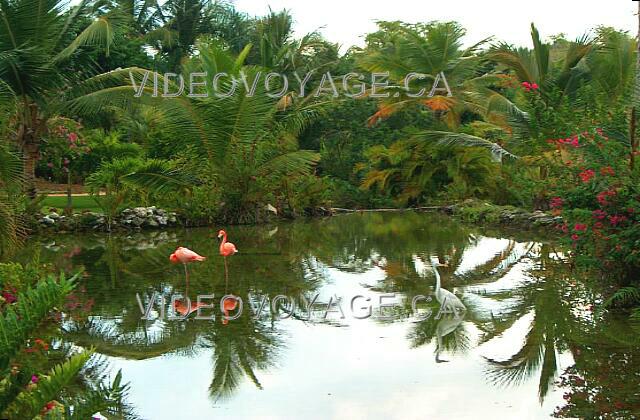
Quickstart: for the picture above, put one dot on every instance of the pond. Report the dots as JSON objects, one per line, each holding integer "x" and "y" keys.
{"x": 374, "y": 343}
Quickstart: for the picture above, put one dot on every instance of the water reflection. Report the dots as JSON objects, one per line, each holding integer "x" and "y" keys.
{"x": 527, "y": 328}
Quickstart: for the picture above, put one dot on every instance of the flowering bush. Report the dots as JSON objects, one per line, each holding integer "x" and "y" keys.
{"x": 598, "y": 195}
{"x": 63, "y": 147}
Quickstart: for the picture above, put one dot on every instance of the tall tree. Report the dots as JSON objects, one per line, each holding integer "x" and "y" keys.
{"x": 37, "y": 41}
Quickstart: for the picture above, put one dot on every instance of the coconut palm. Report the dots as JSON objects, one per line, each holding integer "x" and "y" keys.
{"x": 242, "y": 143}
{"x": 276, "y": 48}
{"x": 554, "y": 67}
{"x": 430, "y": 51}
{"x": 12, "y": 229}
{"x": 38, "y": 42}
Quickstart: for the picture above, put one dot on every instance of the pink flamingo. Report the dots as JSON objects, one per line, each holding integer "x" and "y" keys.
{"x": 226, "y": 249}
{"x": 184, "y": 256}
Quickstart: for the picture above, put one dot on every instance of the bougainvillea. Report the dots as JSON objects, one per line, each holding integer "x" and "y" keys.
{"x": 599, "y": 201}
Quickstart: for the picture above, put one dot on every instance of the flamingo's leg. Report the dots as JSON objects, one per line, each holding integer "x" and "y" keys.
{"x": 226, "y": 272}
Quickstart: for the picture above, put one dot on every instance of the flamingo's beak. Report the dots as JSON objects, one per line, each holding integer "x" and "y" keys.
{"x": 219, "y": 236}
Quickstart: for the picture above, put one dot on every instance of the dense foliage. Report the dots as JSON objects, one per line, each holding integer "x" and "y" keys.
{"x": 550, "y": 127}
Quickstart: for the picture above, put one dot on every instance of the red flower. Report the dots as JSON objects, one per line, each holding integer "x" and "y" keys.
{"x": 49, "y": 406}
{"x": 9, "y": 297}
{"x": 599, "y": 214}
{"x": 598, "y": 225}
{"x": 580, "y": 227}
{"x": 602, "y": 196}
{"x": 607, "y": 170}
{"x": 73, "y": 137}
{"x": 534, "y": 86}
{"x": 556, "y": 202}
{"x": 575, "y": 237}
{"x": 587, "y": 175}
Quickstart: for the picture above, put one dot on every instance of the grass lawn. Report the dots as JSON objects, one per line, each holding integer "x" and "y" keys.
{"x": 80, "y": 203}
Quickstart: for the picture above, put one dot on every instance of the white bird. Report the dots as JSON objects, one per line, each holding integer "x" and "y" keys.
{"x": 449, "y": 303}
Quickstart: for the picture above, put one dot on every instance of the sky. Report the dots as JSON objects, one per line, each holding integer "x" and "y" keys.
{"x": 346, "y": 21}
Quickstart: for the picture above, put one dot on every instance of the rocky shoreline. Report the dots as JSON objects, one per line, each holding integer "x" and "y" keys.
{"x": 136, "y": 218}
{"x": 482, "y": 213}
{"x": 139, "y": 218}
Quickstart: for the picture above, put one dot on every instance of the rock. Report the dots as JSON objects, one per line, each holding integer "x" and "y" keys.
{"x": 140, "y": 211}
{"x": 48, "y": 221}
{"x": 152, "y": 223}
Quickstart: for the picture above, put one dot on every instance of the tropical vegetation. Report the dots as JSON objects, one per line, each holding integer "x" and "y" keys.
{"x": 552, "y": 126}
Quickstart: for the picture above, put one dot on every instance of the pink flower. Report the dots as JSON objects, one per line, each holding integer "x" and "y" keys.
{"x": 66, "y": 161}
{"x": 72, "y": 137}
{"x": 586, "y": 175}
{"x": 570, "y": 141}
{"x": 526, "y": 86}
{"x": 573, "y": 141}
{"x": 599, "y": 214}
{"x": 534, "y": 86}
{"x": 616, "y": 219}
{"x": 575, "y": 237}
{"x": 598, "y": 225}
{"x": 580, "y": 227}
{"x": 34, "y": 379}
{"x": 50, "y": 164}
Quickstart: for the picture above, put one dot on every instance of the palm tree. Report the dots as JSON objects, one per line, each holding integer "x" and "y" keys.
{"x": 243, "y": 143}
{"x": 414, "y": 170}
{"x": 431, "y": 51}
{"x": 12, "y": 229}
{"x": 276, "y": 48}
{"x": 554, "y": 67}
{"x": 38, "y": 41}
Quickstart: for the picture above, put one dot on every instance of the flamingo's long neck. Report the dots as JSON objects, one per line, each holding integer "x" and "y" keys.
{"x": 224, "y": 241}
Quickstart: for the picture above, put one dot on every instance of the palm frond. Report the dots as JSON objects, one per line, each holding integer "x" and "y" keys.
{"x": 447, "y": 138}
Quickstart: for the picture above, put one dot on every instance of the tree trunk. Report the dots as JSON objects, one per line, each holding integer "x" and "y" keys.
{"x": 69, "y": 209}
{"x": 28, "y": 138}
{"x": 30, "y": 150}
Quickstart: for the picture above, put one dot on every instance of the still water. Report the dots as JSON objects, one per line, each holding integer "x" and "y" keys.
{"x": 531, "y": 344}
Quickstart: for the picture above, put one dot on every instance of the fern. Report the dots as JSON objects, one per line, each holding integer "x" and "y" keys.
{"x": 104, "y": 399}
{"x": 625, "y": 296}
{"x": 20, "y": 321}
{"x": 29, "y": 404}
